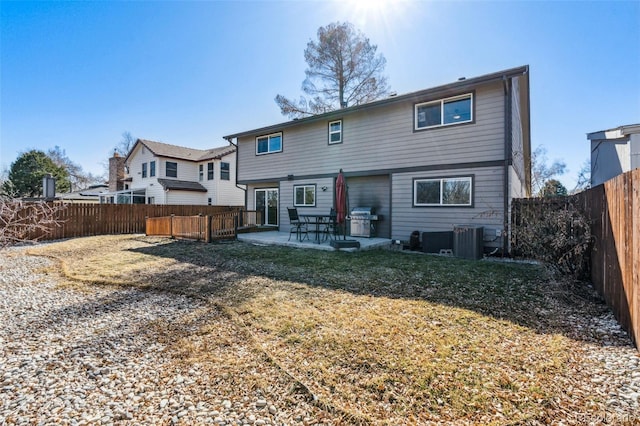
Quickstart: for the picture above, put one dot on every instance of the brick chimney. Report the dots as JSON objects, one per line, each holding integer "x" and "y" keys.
{"x": 116, "y": 173}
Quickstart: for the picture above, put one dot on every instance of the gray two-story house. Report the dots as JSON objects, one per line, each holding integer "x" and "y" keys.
{"x": 425, "y": 161}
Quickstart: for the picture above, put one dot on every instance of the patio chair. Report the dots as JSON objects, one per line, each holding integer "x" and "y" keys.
{"x": 331, "y": 229}
{"x": 298, "y": 225}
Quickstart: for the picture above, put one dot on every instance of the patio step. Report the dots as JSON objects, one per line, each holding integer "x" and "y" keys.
{"x": 339, "y": 244}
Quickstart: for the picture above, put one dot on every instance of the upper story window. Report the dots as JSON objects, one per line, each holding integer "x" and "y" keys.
{"x": 144, "y": 170}
{"x": 171, "y": 169}
{"x": 200, "y": 172}
{"x": 335, "y": 132}
{"x": 209, "y": 171}
{"x": 224, "y": 171}
{"x": 304, "y": 195}
{"x": 269, "y": 143}
{"x": 444, "y": 112}
{"x": 152, "y": 168}
{"x": 451, "y": 191}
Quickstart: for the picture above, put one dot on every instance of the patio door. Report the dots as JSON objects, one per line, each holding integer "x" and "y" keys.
{"x": 267, "y": 204}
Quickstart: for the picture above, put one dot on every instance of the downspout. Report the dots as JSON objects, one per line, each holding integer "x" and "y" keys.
{"x": 507, "y": 161}
{"x": 230, "y": 140}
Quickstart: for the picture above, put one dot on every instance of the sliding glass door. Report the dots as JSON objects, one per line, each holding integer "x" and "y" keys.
{"x": 267, "y": 204}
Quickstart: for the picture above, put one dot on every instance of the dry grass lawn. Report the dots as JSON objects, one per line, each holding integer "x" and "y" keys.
{"x": 376, "y": 337}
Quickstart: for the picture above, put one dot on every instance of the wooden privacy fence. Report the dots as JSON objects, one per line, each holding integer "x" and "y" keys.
{"x": 613, "y": 209}
{"x": 83, "y": 220}
{"x": 203, "y": 228}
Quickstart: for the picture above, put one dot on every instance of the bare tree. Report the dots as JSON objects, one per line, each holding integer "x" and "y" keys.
{"x": 584, "y": 177}
{"x": 26, "y": 222}
{"x": 343, "y": 70}
{"x": 541, "y": 172}
{"x": 78, "y": 178}
{"x": 126, "y": 143}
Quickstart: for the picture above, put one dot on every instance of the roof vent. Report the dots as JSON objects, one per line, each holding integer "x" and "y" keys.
{"x": 392, "y": 94}
{"x": 462, "y": 78}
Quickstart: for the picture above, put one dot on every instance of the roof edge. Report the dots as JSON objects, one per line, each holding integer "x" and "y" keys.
{"x": 615, "y": 133}
{"x": 460, "y": 84}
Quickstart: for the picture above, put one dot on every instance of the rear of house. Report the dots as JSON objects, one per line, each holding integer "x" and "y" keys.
{"x": 159, "y": 173}
{"x": 425, "y": 161}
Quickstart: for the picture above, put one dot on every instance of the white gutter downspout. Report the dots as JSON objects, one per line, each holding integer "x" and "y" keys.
{"x": 230, "y": 140}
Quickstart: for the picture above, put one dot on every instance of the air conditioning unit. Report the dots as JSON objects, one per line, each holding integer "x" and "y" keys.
{"x": 468, "y": 241}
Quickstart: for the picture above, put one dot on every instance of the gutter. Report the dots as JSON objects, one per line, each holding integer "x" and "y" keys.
{"x": 442, "y": 90}
{"x": 507, "y": 159}
{"x": 230, "y": 140}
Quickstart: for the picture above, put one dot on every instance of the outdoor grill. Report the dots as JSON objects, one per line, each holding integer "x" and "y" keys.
{"x": 363, "y": 221}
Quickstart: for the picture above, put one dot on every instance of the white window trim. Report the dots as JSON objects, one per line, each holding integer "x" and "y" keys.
{"x": 268, "y": 138}
{"x": 295, "y": 187}
{"x": 442, "y": 102}
{"x": 442, "y": 180}
{"x": 334, "y": 132}
{"x": 200, "y": 172}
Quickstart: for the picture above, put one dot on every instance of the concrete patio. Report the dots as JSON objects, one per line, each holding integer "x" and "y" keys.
{"x": 282, "y": 239}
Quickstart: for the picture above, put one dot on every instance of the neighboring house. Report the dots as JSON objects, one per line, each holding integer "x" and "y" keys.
{"x": 159, "y": 173}
{"x": 613, "y": 152}
{"x": 88, "y": 195}
{"x": 428, "y": 160}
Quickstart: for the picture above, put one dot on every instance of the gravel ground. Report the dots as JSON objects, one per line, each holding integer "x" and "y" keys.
{"x": 74, "y": 357}
{"x": 105, "y": 356}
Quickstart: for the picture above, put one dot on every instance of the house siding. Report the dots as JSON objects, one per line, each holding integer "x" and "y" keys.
{"x": 221, "y": 192}
{"x": 138, "y": 157}
{"x": 186, "y": 197}
{"x": 324, "y": 199}
{"x": 609, "y": 158}
{"x": 487, "y": 210}
{"x": 517, "y": 148}
{"x": 372, "y": 191}
{"x": 381, "y": 138}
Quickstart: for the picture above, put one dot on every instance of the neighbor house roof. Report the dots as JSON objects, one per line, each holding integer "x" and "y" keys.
{"x": 181, "y": 185}
{"x": 617, "y": 133}
{"x": 160, "y": 149}
{"x": 451, "y": 88}
{"x": 92, "y": 192}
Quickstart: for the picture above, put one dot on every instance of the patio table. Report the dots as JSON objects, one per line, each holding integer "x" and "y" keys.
{"x": 316, "y": 219}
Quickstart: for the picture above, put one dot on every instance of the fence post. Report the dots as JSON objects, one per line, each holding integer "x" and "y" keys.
{"x": 207, "y": 229}
{"x": 171, "y": 225}
{"x": 146, "y": 231}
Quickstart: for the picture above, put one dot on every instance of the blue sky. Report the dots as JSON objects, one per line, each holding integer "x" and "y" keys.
{"x": 79, "y": 74}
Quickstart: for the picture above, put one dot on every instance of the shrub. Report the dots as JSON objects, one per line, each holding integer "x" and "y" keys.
{"x": 22, "y": 222}
{"x": 556, "y": 233}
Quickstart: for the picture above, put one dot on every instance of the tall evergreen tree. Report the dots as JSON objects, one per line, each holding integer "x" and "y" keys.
{"x": 26, "y": 173}
{"x": 553, "y": 188}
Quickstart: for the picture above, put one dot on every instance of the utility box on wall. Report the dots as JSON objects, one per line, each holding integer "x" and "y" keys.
{"x": 468, "y": 241}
